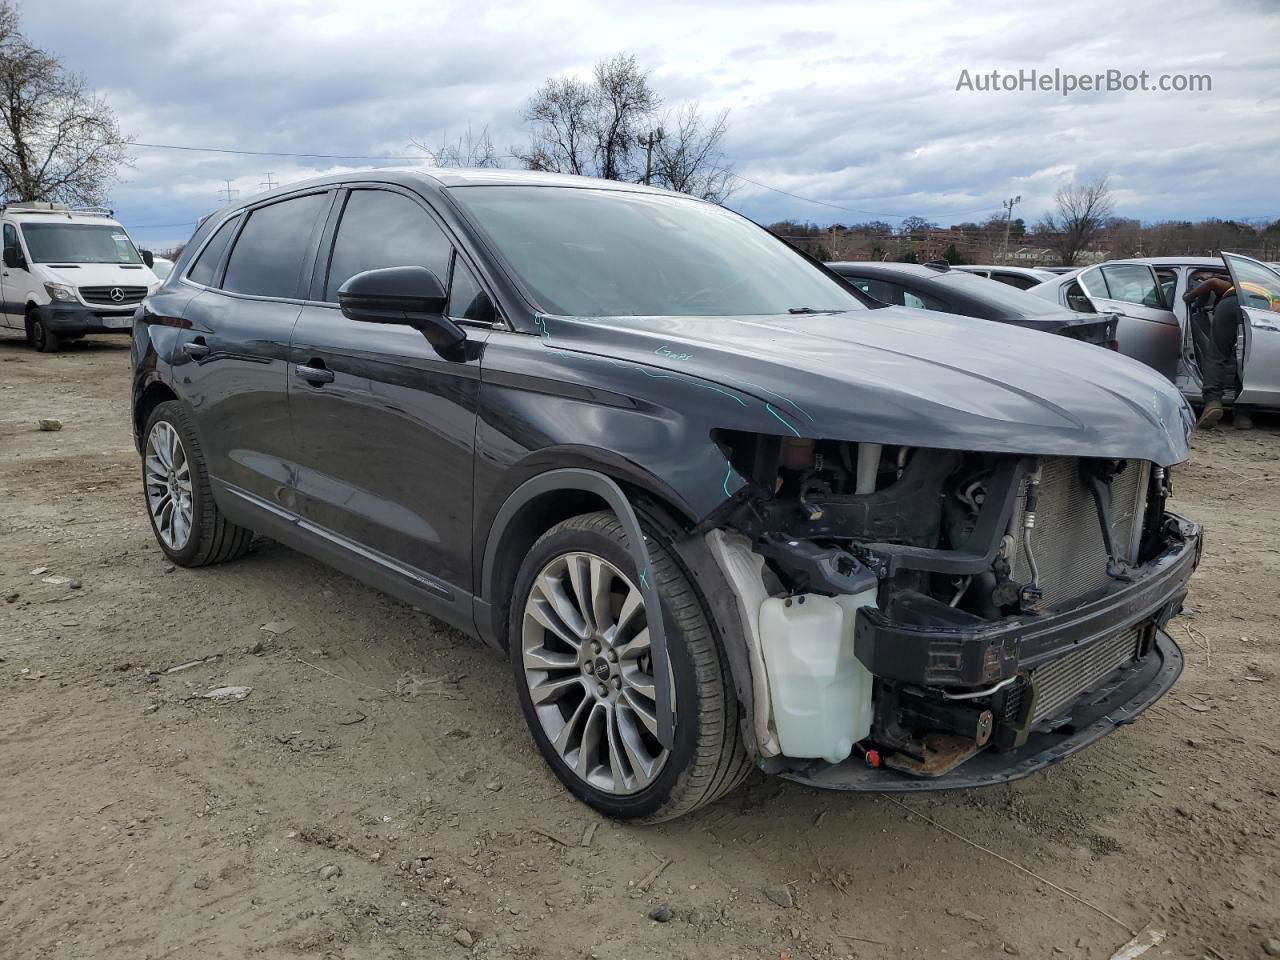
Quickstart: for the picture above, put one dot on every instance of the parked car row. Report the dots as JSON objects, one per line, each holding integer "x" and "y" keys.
{"x": 722, "y": 507}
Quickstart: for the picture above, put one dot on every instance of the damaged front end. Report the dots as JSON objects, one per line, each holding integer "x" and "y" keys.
{"x": 921, "y": 618}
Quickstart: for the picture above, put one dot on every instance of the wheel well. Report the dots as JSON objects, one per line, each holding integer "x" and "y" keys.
{"x": 534, "y": 519}
{"x": 154, "y": 395}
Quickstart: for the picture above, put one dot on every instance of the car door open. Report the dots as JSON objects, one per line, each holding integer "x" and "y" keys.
{"x": 1148, "y": 330}
{"x": 1257, "y": 288}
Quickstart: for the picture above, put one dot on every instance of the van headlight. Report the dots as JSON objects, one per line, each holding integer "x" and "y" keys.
{"x": 60, "y": 291}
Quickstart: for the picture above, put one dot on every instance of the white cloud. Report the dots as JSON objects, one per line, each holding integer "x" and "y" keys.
{"x": 850, "y": 103}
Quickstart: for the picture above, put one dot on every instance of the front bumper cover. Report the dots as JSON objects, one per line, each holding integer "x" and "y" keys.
{"x": 1116, "y": 702}
{"x": 981, "y": 655}
{"x": 73, "y": 319}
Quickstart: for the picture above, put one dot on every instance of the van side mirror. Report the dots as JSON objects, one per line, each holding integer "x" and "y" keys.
{"x": 148, "y": 258}
{"x": 412, "y": 296}
{"x": 13, "y": 258}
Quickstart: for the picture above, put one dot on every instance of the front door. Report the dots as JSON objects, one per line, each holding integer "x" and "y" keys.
{"x": 15, "y": 280}
{"x": 384, "y": 425}
{"x": 1147, "y": 329}
{"x": 1257, "y": 287}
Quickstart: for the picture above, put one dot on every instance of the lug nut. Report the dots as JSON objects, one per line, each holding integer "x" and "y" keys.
{"x": 613, "y": 656}
{"x": 602, "y": 690}
{"x": 595, "y": 646}
{"x": 617, "y": 683}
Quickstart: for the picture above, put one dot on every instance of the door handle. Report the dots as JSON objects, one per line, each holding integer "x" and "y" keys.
{"x": 195, "y": 349}
{"x": 316, "y": 375}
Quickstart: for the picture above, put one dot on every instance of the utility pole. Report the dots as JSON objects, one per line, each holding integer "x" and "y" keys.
{"x": 655, "y": 137}
{"x": 1008, "y": 218}
{"x": 228, "y": 193}
{"x": 269, "y": 184}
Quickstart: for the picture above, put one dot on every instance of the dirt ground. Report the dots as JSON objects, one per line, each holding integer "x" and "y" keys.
{"x": 138, "y": 820}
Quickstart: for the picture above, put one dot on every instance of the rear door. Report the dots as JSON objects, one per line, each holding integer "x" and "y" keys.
{"x": 1258, "y": 290}
{"x": 1148, "y": 329}
{"x": 233, "y": 359}
{"x": 384, "y": 424}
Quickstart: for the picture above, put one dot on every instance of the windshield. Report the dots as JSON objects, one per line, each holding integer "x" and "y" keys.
{"x": 607, "y": 253}
{"x": 78, "y": 243}
{"x": 999, "y": 295}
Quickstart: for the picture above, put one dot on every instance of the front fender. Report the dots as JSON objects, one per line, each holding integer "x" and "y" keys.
{"x": 597, "y": 484}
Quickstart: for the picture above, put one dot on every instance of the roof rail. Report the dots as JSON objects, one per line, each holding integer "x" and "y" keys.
{"x": 57, "y": 209}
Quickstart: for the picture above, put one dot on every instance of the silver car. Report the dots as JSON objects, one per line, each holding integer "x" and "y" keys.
{"x": 1155, "y": 324}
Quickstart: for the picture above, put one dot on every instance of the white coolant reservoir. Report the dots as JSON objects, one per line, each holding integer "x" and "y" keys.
{"x": 821, "y": 692}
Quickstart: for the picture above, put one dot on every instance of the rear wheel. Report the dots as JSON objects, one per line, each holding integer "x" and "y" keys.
{"x": 584, "y": 668}
{"x": 187, "y": 524}
{"x": 40, "y": 336}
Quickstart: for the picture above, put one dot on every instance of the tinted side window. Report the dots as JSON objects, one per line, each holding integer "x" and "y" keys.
{"x": 920, "y": 300}
{"x": 879, "y": 289}
{"x": 268, "y": 257}
{"x": 1015, "y": 280}
{"x": 202, "y": 271}
{"x": 466, "y": 298}
{"x": 384, "y": 229}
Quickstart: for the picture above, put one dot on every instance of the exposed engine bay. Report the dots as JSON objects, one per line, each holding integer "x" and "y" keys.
{"x": 963, "y": 580}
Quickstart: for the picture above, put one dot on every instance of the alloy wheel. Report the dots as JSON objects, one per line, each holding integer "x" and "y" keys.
{"x": 168, "y": 485}
{"x": 589, "y": 671}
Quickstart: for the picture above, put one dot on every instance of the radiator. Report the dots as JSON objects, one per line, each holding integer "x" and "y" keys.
{"x": 1058, "y": 683}
{"x": 1067, "y": 538}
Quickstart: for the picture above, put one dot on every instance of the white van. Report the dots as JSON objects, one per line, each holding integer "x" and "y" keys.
{"x": 68, "y": 273}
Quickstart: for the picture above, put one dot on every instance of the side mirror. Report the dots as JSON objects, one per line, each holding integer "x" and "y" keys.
{"x": 13, "y": 258}
{"x": 148, "y": 258}
{"x": 412, "y": 296}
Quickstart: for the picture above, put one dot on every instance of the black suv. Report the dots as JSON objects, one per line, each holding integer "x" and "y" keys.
{"x": 721, "y": 508}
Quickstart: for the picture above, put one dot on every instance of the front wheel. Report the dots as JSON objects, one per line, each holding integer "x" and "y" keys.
{"x": 40, "y": 336}
{"x": 186, "y": 521}
{"x": 580, "y": 648}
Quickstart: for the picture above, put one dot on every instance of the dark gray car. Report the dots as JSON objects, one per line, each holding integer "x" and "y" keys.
{"x": 720, "y": 509}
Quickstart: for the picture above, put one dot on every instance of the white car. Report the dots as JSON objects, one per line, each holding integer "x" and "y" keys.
{"x": 161, "y": 266}
{"x": 1024, "y": 278}
{"x": 68, "y": 273}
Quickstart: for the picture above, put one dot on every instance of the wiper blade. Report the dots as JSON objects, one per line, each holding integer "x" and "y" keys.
{"x": 812, "y": 310}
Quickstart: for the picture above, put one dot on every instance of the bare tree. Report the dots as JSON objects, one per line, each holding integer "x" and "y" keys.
{"x": 624, "y": 105}
{"x": 562, "y": 118}
{"x": 467, "y": 151}
{"x": 688, "y": 158}
{"x": 593, "y": 128}
{"x": 1080, "y": 213}
{"x": 59, "y": 141}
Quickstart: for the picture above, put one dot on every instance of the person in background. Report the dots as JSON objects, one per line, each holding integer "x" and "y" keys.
{"x": 1219, "y": 369}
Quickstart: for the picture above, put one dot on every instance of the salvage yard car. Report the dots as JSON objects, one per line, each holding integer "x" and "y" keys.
{"x": 68, "y": 273}
{"x": 721, "y": 509}
{"x": 936, "y": 286}
{"x": 1258, "y": 344}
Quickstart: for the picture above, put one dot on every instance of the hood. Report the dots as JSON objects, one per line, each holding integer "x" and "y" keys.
{"x": 900, "y": 376}
{"x": 99, "y": 274}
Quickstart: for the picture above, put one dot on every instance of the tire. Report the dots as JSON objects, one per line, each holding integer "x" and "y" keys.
{"x": 209, "y": 537}
{"x": 40, "y": 336}
{"x": 708, "y": 758}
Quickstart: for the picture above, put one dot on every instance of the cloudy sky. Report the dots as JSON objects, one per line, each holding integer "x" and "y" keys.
{"x": 853, "y": 104}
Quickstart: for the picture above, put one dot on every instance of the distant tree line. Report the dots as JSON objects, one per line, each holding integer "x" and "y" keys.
{"x": 1080, "y": 228}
